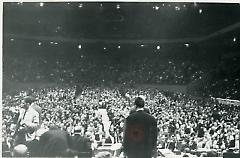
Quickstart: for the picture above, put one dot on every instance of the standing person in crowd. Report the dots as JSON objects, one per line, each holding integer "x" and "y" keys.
{"x": 28, "y": 122}
{"x": 139, "y": 99}
{"x": 140, "y": 133}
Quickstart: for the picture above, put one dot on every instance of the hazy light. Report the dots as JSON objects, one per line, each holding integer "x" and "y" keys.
{"x": 156, "y": 7}
{"x": 11, "y": 39}
{"x": 163, "y": 4}
{"x": 41, "y": 4}
{"x": 177, "y": 8}
{"x": 158, "y": 47}
{"x": 184, "y": 6}
{"x": 79, "y": 46}
{"x": 234, "y": 39}
{"x": 195, "y": 4}
{"x": 80, "y": 5}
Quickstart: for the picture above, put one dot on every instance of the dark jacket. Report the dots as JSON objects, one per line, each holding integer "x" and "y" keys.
{"x": 134, "y": 110}
{"x": 140, "y": 135}
{"x": 82, "y": 145}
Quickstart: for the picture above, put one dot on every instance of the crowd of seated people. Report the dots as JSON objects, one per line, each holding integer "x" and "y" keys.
{"x": 146, "y": 71}
{"x": 184, "y": 124}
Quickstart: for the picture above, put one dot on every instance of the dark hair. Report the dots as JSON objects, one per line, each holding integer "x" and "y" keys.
{"x": 29, "y": 99}
{"x": 139, "y": 102}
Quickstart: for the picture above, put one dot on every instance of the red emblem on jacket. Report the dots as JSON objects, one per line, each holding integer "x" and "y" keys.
{"x": 136, "y": 133}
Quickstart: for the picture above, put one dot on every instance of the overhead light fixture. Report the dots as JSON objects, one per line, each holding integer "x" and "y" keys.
{"x": 41, "y": 4}
{"x": 119, "y": 47}
{"x": 158, "y": 47}
{"x": 39, "y": 43}
{"x": 186, "y": 44}
{"x": 11, "y": 39}
{"x": 104, "y": 48}
{"x": 156, "y": 7}
{"x": 200, "y": 11}
{"x": 142, "y": 45}
{"x": 80, "y": 5}
{"x": 79, "y": 46}
{"x": 177, "y": 8}
{"x": 234, "y": 39}
{"x": 118, "y": 6}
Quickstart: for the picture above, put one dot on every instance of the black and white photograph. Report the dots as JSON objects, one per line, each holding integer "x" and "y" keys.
{"x": 120, "y": 79}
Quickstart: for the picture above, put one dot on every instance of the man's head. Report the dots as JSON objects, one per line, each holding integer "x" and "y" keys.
{"x": 28, "y": 100}
{"x": 139, "y": 102}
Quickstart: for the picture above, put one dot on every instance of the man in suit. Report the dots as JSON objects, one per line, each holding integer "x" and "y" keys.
{"x": 138, "y": 101}
{"x": 28, "y": 121}
{"x": 140, "y": 133}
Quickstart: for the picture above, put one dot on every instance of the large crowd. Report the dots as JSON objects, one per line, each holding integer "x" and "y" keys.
{"x": 184, "y": 124}
{"x": 206, "y": 80}
{"x": 142, "y": 71}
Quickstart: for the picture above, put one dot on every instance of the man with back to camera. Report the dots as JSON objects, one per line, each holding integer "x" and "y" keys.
{"x": 140, "y": 133}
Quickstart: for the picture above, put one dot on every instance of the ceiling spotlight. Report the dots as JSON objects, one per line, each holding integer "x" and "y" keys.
{"x": 51, "y": 42}
{"x": 11, "y": 39}
{"x": 101, "y": 5}
{"x": 156, "y": 7}
{"x": 119, "y": 47}
{"x": 41, "y": 4}
{"x": 118, "y": 6}
{"x": 163, "y": 4}
{"x": 39, "y": 43}
{"x": 104, "y": 48}
{"x": 177, "y": 8}
{"x": 184, "y": 6}
{"x": 158, "y": 47}
{"x": 142, "y": 45}
{"x": 234, "y": 39}
{"x": 186, "y": 44}
{"x": 79, "y": 46}
{"x": 55, "y": 43}
{"x": 80, "y": 5}
{"x": 200, "y": 11}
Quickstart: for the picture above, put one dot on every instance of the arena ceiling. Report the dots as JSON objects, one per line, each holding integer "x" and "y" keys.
{"x": 119, "y": 21}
